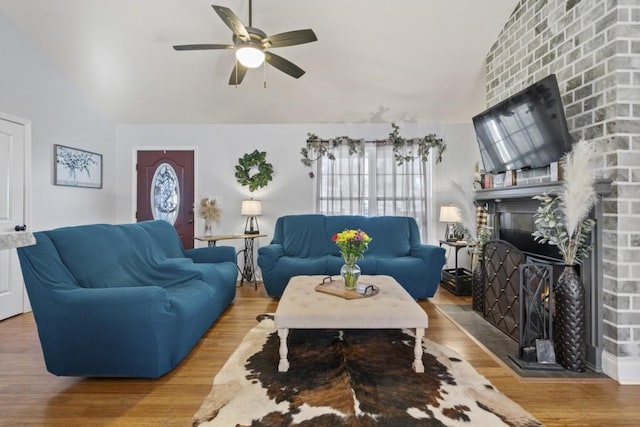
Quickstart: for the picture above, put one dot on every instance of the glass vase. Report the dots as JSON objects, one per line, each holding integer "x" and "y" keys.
{"x": 350, "y": 272}
{"x": 208, "y": 228}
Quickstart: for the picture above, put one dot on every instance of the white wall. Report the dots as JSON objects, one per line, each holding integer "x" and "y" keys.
{"x": 33, "y": 89}
{"x": 218, "y": 148}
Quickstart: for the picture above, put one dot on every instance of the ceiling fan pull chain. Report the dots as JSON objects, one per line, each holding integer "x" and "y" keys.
{"x": 264, "y": 73}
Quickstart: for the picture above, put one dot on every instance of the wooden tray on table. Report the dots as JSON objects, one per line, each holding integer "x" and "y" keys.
{"x": 336, "y": 288}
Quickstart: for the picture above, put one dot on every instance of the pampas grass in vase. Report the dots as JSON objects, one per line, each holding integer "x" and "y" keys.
{"x": 210, "y": 212}
{"x": 562, "y": 219}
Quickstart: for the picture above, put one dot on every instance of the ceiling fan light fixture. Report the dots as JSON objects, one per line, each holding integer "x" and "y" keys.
{"x": 250, "y": 56}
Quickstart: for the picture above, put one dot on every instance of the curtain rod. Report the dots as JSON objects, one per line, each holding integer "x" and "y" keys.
{"x": 375, "y": 141}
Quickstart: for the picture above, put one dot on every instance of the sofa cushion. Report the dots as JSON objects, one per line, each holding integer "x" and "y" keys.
{"x": 303, "y": 266}
{"x": 103, "y": 255}
{"x": 305, "y": 236}
{"x": 406, "y": 264}
{"x": 391, "y": 235}
{"x": 163, "y": 237}
{"x": 45, "y": 265}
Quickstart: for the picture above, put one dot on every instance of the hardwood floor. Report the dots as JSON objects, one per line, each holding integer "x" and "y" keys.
{"x": 29, "y": 395}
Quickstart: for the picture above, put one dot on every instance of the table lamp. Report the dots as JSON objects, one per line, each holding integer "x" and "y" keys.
{"x": 251, "y": 209}
{"x": 449, "y": 214}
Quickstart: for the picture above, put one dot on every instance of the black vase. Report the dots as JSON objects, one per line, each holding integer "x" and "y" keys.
{"x": 569, "y": 321}
{"x": 477, "y": 288}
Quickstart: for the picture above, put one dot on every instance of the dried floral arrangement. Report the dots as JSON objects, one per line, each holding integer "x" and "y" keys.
{"x": 209, "y": 210}
{"x": 562, "y": 219}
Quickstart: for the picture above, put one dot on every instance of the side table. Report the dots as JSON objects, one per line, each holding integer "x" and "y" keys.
{"x": 248, "y": 271}
{"x": 456, "y": 280}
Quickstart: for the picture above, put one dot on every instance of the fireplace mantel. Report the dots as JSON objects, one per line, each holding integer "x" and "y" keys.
{"x": 603, "y": 187}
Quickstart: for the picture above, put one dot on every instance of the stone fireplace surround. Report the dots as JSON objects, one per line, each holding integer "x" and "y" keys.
{"x": 510, "y": 214}
{"x": 593, "y": 47}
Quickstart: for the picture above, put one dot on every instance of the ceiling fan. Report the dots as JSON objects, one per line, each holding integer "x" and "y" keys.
{"x": 252, "y": 45}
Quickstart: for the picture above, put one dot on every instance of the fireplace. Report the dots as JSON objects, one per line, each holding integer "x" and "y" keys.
{"x": 511, "y": 216}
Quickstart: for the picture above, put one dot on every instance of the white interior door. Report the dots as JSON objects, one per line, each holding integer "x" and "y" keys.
{"x": 12, "y": 212}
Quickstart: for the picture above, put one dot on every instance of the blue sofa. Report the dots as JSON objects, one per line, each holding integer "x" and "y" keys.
{"x": 302, "y": 245}
{"x": 123, "y": 300}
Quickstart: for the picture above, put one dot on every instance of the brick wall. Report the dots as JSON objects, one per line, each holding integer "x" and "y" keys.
{"x": 593, "y": 47}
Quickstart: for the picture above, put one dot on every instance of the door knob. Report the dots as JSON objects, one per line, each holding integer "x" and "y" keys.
{"x": 20, "y": 227}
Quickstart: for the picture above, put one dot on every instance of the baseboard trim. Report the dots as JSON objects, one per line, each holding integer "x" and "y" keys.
{"x": 625, "y": 370}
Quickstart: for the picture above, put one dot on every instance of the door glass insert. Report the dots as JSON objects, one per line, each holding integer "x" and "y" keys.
{"x": 165, "y": 194}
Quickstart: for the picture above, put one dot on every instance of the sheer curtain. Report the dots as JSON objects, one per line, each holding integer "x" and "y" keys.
{"x": 343, "y": 183}
{"x": 400, "y": 190}
{"x": 371, "y": 183}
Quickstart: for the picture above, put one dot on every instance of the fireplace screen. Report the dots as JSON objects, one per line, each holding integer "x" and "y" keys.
{"x": 502, "y": 283}
{"x": 536, "y": 313}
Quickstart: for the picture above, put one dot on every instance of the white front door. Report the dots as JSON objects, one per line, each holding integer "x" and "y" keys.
{"x": 12, "y": 211}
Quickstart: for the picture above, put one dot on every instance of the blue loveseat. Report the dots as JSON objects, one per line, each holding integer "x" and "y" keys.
{"x": 123, "y": 300}
{"x": 302, "y": 245}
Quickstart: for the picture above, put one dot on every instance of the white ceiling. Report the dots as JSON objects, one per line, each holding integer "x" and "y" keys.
{"x": 374, "y": 61}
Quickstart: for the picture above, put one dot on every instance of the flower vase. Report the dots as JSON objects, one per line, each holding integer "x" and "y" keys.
{"x": 569, "y": 321}
{"x": 208, "y": 227}
{"x": 350, "y": 272}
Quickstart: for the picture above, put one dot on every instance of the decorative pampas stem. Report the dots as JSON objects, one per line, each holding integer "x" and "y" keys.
{"x": 563, "y": 220}
{"x": 464, "y": 200}
{"x": 579, "y": 195}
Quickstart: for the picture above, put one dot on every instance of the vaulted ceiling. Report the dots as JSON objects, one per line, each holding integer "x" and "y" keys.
{"x": 374, "y": 61}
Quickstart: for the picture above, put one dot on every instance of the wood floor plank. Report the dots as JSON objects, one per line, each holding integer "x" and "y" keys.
{"x": 29, "y": 395}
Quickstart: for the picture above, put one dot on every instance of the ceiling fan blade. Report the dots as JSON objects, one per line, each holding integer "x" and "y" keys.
{"x": 241, "y": 70}
{"x": 203, "y": 46}
{"x": 291, "y": 38}
{"x": 232, "y": 21}
{"x": 283, "y": 65}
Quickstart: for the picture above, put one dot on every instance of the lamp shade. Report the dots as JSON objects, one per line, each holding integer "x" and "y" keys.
{"x": 449, "y": 213}
{"x": 251, "y": 208}
{"x": 250, "y": 56}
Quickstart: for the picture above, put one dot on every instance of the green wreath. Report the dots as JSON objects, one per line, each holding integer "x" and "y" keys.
{"x": 247, "y": 163}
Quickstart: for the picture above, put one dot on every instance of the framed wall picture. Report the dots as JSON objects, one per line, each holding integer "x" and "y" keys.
{"x": 76, "y": 168}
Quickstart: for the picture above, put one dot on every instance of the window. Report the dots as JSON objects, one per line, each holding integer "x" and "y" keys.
{"x": 370, "y": 183}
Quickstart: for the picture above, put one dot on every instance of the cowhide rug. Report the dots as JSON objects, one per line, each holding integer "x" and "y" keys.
{"x": 351, "y": 378}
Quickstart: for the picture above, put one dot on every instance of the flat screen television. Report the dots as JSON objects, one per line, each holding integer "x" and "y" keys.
{"x": 526, "y": 130}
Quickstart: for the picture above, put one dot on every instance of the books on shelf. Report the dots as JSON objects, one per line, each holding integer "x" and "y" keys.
{"x": 487, "y": 181}
{"x": 505, "y": 179}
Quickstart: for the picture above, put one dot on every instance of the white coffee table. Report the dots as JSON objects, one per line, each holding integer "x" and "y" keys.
{"x": 301, "y": 307}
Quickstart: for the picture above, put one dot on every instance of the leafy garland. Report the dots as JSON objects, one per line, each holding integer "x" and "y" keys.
{"x": 317, "y": 148}
{"x": 256, "y": 159}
